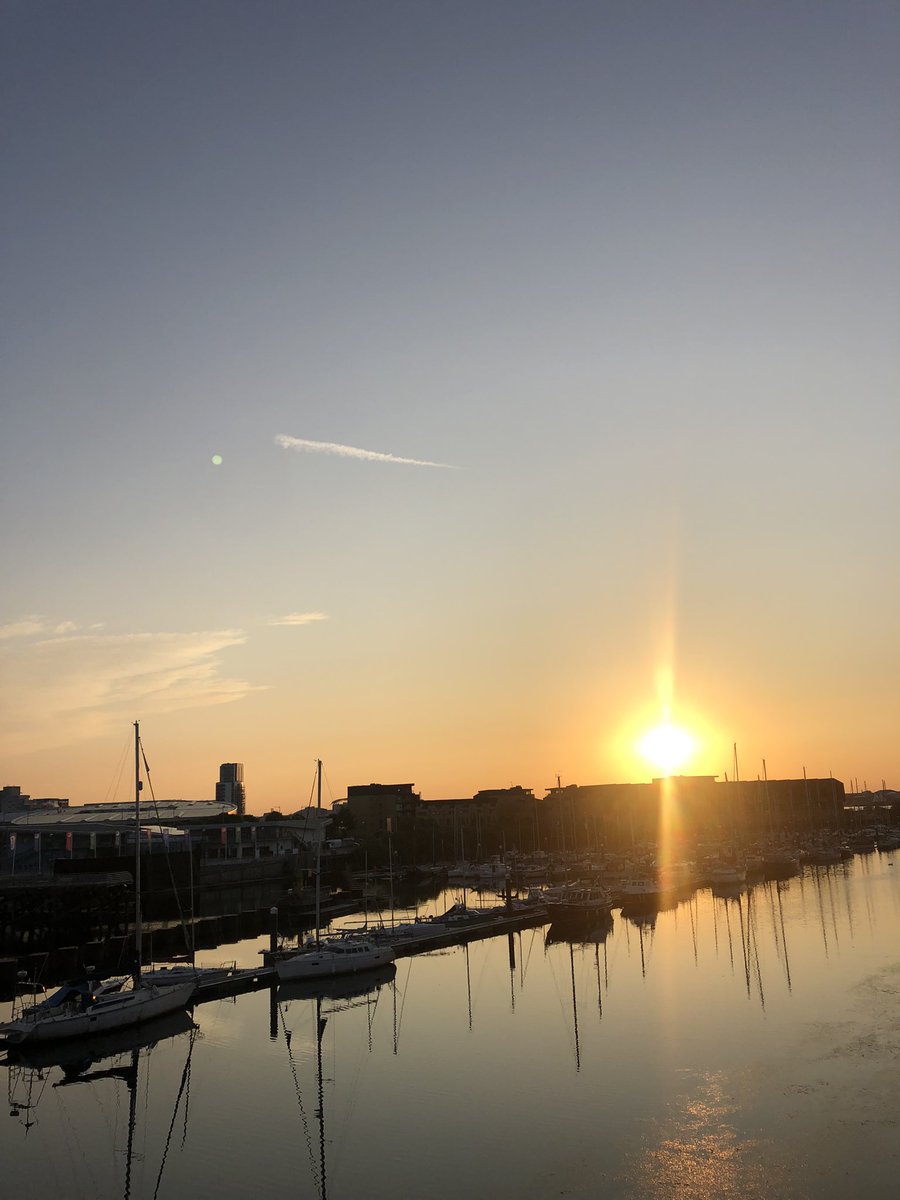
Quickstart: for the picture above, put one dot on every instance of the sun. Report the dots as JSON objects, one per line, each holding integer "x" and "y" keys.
{"x": 667, "y": 747}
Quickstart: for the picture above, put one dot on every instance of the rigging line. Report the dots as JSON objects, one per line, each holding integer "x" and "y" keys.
{"x": 534, "y": 934}
{"x": 328, "y": 782}
{"x": 403, "y": 1001}
{"x": 303, "y": 1117}
{"x": 480, "y": 980}
{"x": 340, "y": 1141}
{"x": 175, "y": 892}
{"x": 187, "y": 1101}
{"x": 113, "y": 787}
{"x": 112, "y": 1125}
{"x": 71, "y": 1139}
{"x": 468, "y": 990}
{"x": 185, "y": 1075}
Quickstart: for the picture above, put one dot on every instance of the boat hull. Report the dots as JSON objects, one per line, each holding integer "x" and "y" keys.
{"x": 325, "y": 961}
{"x": 116, "y": 1011}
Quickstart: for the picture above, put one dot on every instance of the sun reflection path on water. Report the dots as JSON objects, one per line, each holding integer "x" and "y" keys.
{"x": 696, "y": 1152}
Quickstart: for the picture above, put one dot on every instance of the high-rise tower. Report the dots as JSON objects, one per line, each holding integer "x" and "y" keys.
{"x": 230, "y": 788}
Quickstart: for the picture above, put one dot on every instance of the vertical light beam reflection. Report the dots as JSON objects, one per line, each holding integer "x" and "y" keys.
{"x": 669, "y": 838}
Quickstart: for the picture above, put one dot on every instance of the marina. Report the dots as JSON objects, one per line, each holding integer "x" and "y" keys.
{"x": 458, "y": 437}
{"x": 698, "y": 1049}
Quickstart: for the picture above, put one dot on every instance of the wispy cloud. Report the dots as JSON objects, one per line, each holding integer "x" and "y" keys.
{"x": 61, "y": 689}
{"x": 34, "y": 627}
{"x": 293, "y": 443}
{"x": 299, "y": 618}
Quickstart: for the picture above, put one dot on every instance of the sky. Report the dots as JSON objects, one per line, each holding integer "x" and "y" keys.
{"x": 451, "y": 392}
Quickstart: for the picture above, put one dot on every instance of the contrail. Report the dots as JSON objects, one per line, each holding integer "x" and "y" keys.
{"x": 293, "y": 443}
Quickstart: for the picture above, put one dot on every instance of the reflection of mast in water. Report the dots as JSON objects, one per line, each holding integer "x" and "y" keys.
{"x": 848, "y": 904}
{"x": 273, "y": 1010}
{"x": 468, "y": 983}
{"x": 317, "y": 1168}
{"x": 821, "y": 911}
{"x": 730, "y": 941}
{"x": 320, "y": 1092}
{"x": 691, "y": 904}
{"x": 395, "y": 1023}
{"x": 715, "y": 911}
{"x": 183, "y": 1090}
{"x": 75, "y": 1061}
{"x": 640, "y": 922}
{"x": 727, "y": 901}
{"x": 511, "y": 945}
{"x": 574, "y": 1008}
{"x": 829, "y": 876}
{"x": 743, "y": 944}
{"x": 747, "y": 928}
{"x": 597, "y": 966}
{"x": 351, "y": 992}
{"x": 752, "y": 936}
{"x": 593, "y": 937}
{"x": 783, "y": 943}
{"x": 131, "y": 1081}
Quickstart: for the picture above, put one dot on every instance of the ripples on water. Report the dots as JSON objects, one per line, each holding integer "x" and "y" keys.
{"x": 733, "y": 1046}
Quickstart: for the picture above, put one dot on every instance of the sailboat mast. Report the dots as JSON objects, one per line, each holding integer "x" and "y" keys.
{"x": 137, "y": 853}
{"x": 318, "y": 848}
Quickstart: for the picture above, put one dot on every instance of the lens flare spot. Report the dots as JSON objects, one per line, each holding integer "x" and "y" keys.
{"x": 217, "y": 460}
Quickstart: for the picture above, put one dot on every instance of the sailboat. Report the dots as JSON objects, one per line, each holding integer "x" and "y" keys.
{"x": 319, "y": 957}
{"x": 90, "y": 1007}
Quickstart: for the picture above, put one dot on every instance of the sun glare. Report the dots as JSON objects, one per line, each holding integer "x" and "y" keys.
{"x": 667, "y": 747}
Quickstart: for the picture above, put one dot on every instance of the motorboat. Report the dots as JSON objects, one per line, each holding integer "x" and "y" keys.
{"x": 577, "y": 901}
{"x": 319, "y": 959}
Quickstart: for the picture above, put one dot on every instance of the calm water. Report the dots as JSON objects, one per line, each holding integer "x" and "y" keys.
{"x": 744, "y": 1046}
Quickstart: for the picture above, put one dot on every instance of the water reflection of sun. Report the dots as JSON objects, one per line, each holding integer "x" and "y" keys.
{"x": 698, "y": 1150}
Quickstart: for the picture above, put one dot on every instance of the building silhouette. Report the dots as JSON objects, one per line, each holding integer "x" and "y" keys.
{"x": 230, "y": 788}
{"x": 576, "y": 818}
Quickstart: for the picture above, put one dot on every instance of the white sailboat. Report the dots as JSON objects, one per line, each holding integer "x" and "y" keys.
{"x": 320, "y": 958}
{"x": 89, "y": 1007}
